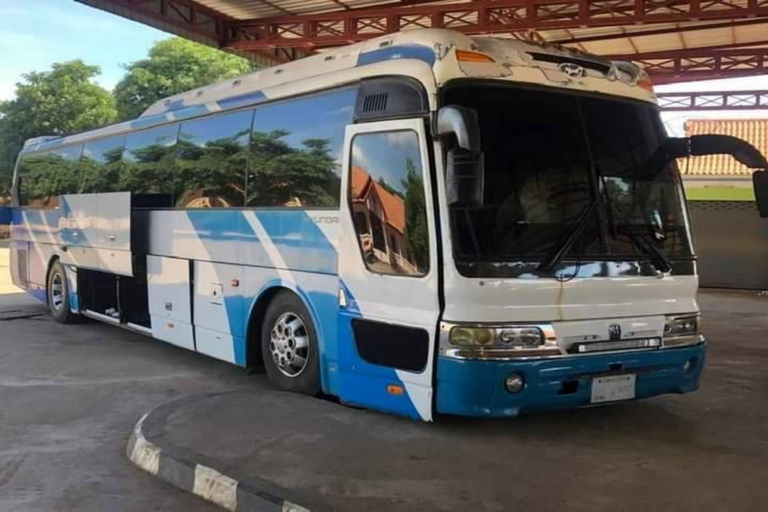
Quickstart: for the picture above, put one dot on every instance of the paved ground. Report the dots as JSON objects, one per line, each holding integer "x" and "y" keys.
{"x": 11, "y": 298}
{"x": 70, "y": 395}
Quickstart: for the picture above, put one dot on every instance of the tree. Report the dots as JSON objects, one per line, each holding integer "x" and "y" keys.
{"x": 61, "y": 101}
{"x": 416, "y": 231}
{"x": 173, "y": 66}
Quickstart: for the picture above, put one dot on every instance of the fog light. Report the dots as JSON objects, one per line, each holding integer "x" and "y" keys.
{"x": 514, "y": 382}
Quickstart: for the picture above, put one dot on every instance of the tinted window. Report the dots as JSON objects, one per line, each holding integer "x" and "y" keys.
{"x": 148, "y": 161}
{"x": 388, "y": 203}
{"x": 296, "y": 151}
{"x": 211, "y": 161}
{"x": 45, "y": 176}
{"x": 100, "y": 165}
{"x": 549, "y": 158}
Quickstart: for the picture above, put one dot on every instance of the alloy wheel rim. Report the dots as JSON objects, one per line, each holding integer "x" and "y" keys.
{"x": 289, "y": 344}
{"x": 57, "y": 291}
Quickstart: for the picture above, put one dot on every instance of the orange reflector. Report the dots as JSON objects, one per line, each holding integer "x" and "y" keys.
{"x": 393, "y": 389}
{"x": 645, "y": 83}
{"x": 467, "y": 56}
{"x": 234, "y": 283}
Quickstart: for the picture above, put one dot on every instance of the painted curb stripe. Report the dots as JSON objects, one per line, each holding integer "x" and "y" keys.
{"x": 203, "y": 481}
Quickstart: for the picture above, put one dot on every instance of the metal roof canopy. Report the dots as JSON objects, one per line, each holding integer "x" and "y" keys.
{"x": 675, "y": 40}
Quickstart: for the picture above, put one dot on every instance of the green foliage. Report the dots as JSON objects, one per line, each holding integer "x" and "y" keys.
{"x": 719, "y": 193}
{"x": 281, "y": 173}
{"x": 416, "y": 231}
{"x": 61, "y": 101}
{"x": 215, "y": 171}
{"x": 173, "y": 66}
{"x": 102, "y": 174}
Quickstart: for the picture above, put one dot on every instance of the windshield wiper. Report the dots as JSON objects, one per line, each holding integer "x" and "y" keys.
{"x": 645, "y": 243}
{"x": 548, "y": 265}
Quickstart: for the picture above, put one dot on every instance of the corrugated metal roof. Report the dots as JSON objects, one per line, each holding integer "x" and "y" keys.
{"x": 754, "y": 131}
{"x": 624, "y": 43}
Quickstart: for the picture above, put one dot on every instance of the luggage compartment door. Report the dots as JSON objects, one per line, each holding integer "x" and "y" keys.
{"x": 95, "y": 231}
{"x": 170, "y": 310}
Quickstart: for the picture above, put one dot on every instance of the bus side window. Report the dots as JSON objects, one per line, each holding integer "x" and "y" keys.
{"x": 388, "y": 205}
{"x": 148, "y": 162}
{"x": 295, "y": 151}
{"x": 211, "y": 158}
{"x": 100, "y": 165}
{"x": 45, "y": 176}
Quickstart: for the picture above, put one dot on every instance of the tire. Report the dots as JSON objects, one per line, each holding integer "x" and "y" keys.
{"x": 289, "y": 346}
{"x": 57, "y": 291}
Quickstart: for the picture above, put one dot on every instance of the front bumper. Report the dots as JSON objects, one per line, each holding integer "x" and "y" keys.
{"x": 476, "y": 387}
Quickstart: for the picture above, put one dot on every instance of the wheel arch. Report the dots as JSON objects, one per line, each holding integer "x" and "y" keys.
{"x": 257, "y": 311}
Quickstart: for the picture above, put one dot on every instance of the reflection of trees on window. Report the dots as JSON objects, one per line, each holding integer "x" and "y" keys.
{"x": 282, "y": 175}
{"x": 100, "y": 165}
{"x": 388, "y": 202}
{"x": 45, "y": 176}
{"x": 148, "y": 161}
{"x": 296, "y": 150}
{"x": 416, "y": 231}
{"x": 211, "y": 161}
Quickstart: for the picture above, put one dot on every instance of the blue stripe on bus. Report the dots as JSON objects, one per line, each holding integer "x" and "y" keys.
{"x": 408, "y": 51}
{"x": 362, "y": 383}
{"x": 301, "y": 243}
{"x": 145, "y": 122}
{"x": 173, "y": 105}
{"x": 242, "y": 100}
{"x": 184, "y": 113}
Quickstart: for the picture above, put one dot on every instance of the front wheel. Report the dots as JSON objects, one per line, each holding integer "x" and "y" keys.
{"x": 289, "y": 346}
{"x": 58, "y": 294}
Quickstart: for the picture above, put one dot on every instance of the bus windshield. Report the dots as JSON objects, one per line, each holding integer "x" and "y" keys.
{"x": 568, "y": 171}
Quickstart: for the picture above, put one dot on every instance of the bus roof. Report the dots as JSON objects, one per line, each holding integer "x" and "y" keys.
{"x": 430, "y": 55}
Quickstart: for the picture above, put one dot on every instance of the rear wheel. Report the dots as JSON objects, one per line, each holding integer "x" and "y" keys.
{"x": 58, "y": 294}
{"x": 289, "y": 346}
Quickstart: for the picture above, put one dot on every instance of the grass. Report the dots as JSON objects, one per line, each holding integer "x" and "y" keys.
{"x": 720, "y": 194}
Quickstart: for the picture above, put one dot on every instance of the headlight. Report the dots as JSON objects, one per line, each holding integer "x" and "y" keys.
{"x": 505, "y": 337}
{"x": 523, "y": 337}
{"x": 473, "y": 336}
{"x": 681, "y": 326}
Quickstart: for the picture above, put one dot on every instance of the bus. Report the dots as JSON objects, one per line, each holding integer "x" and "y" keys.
{"x": 423, "y": 223}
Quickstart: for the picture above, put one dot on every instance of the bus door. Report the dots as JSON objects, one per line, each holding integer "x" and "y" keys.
{"x": 388, "y": 272}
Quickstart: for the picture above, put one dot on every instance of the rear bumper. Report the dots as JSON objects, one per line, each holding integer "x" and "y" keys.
{"x": 476, "y": 388}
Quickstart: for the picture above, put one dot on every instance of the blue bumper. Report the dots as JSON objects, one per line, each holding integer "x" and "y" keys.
{"x": 476, "y": 388}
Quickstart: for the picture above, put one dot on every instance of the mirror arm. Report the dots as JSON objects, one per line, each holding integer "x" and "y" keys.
{"x": 461, "y": 122}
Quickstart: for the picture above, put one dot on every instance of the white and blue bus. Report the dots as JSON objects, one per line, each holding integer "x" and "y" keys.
{"x": 423, "y": 223}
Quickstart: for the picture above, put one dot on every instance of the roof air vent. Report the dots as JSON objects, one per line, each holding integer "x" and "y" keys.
{"x": 375, "y": 102}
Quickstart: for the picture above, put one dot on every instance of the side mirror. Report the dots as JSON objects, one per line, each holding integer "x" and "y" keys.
{"x": 760, "y": 184}
{"x": 741, "y": 150}
{"x": 461, "y": 122}
{"x": 465, "y": 178}
{"x": 465, "y": 173}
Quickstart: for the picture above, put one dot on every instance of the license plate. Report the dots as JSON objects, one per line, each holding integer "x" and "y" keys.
{"x": 611, "y": 389}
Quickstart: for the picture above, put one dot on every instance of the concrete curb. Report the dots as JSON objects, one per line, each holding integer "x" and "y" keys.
{"x": 199, "y": 479}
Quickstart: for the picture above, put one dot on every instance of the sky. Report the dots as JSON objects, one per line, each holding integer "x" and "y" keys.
{"x": 36, "y": 33}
